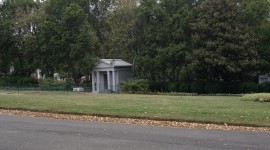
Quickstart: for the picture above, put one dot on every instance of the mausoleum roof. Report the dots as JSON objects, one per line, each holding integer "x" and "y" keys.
{"x": 115, "y": 62}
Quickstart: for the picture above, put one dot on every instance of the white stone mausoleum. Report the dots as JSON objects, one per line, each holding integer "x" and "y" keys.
{"x": 108, "y": 73}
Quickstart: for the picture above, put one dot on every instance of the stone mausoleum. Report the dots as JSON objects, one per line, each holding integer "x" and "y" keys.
{"x": 108, "y": 73}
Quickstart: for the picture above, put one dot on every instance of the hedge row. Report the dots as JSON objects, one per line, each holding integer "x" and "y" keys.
{"x": 29, "y": 83}
{"x": 146, "y": 86}
{"x": 18, "y": 80}
{"x": 200, "y": 87}
{"x": 135, "y": 86}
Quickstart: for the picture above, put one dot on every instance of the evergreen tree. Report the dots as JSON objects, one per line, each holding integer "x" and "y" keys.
{"x": 166, "y": 38}
{"x": 223, "y": 46}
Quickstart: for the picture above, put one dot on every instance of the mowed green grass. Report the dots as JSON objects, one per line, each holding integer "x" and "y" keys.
{"x": 208, "y": 109}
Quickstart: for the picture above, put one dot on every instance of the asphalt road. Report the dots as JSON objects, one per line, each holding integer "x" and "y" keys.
{"x": 26, "y": 133}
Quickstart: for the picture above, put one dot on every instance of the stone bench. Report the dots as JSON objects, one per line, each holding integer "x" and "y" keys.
{"x": 78, "y": 89}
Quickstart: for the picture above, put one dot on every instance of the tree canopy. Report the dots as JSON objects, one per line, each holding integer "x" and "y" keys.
{"x": 165, "y": 40}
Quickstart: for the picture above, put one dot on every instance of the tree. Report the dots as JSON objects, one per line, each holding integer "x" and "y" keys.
{"x": 96, "y": 13}
{"x": 16, "y": 28}
{"x": 223, "y": 46}
{"x": 256, "y": 13}
{"x": 124, "y": 36}
{"x": 263, "y": 34}
{"x": 166, "y": 38}
{"x": 79, "y": 42}
{"x": 47, "y": 40}
{"x": 5, "y": 37}
{"x": 67, "y": 40}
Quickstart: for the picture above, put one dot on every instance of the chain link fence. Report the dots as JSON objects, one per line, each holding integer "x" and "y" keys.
{"x": 67, "y": 88}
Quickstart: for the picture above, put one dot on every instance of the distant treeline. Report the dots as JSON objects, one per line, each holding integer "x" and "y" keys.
{"x": 143, "y": 86}
{"x": 167, "y": 41}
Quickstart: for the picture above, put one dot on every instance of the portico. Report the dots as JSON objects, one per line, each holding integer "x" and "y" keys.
{"x": 103, "y": 79}
{"x": 108, "y": 73}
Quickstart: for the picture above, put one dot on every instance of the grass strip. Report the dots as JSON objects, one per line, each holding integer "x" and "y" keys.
{"x": 205, "y": 109}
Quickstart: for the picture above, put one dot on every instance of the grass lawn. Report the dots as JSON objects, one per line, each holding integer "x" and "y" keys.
{"x": 210, "y": 109}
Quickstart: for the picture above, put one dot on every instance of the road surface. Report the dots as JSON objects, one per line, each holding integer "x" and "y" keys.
{"x": 26, "y": 133}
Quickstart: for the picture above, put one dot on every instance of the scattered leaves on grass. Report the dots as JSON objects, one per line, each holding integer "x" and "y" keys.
{"x": 132, "y": 121}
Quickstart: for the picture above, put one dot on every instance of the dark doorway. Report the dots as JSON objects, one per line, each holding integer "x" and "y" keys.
{"x": 105, "y": 81}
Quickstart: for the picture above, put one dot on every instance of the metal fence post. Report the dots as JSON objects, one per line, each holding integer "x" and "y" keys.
{"x": 18, "y": 89}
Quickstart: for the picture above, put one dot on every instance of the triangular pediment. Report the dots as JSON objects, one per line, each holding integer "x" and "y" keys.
{"x": 103, "y": 65}
{"x": 111, "y": 63}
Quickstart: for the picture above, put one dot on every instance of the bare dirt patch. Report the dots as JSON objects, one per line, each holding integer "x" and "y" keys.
{"x": 132, "y": 121}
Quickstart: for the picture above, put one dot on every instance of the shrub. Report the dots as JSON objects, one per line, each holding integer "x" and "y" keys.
{"x": 3, "y": 81}
{"x": 135, "y": 86}
{"x": 249, "y": 87}
{"x": 231, "y": 87}
{"x": 264, "y": 87}
{"x": 184, "y": 87}
{"x": 154, "y": 86}
{"x": 158, "y": 86}
{"x": 46, "y": 81}
{"x": 197, "y": 87}
{"x": 173, "y": 87}
{"x": 13, "y": 79}
{"x": 87, "y": 86}
{"x": 27, "y": 81}
{"x": 213, "y": 88}
{"x": 260, "y": 97}
{"x": 54, "y": 87}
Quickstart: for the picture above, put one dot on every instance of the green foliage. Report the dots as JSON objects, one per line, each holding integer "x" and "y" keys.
{"x": 3, "y": 81}
{"x": 223, "y": 46}
{"x": 14, "y": 80}
{"x": 213, "y": 87}
{"x": 259, "y": 97}
{"x": 46, "y": 81}
{"x": 16, "y": 20}
{"x": 158, "y": 86}
{"x": 248, "y": 87}
{"x": 68, "y": 86}
{"x": 263, "y": 33}
{"x": 197, "y": 87}
{"x": 165, "y": 38}
{"x": 231, "y": 87}
{"x": 255, "y": 12}
{"x": 52, "y": 83}
{"x": 53, "y": 87}
{"x": 69, "y": 39}
{"x": 184, "y": 87}
{"x": 124, "y": 38}
{"x": 135, "y": 86}
{"x": 167, "y": 41}
{"x": 173, "y": 87}
{"x": 27, "y": 81}
{"x": 264, "y": 87}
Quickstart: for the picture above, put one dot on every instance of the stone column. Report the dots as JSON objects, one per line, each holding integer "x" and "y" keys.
{"x": 109, "y": 80}
{"x": 98, "y": 81}
{"x": 113, "y": 83}
{"x": 93, "y": 82}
